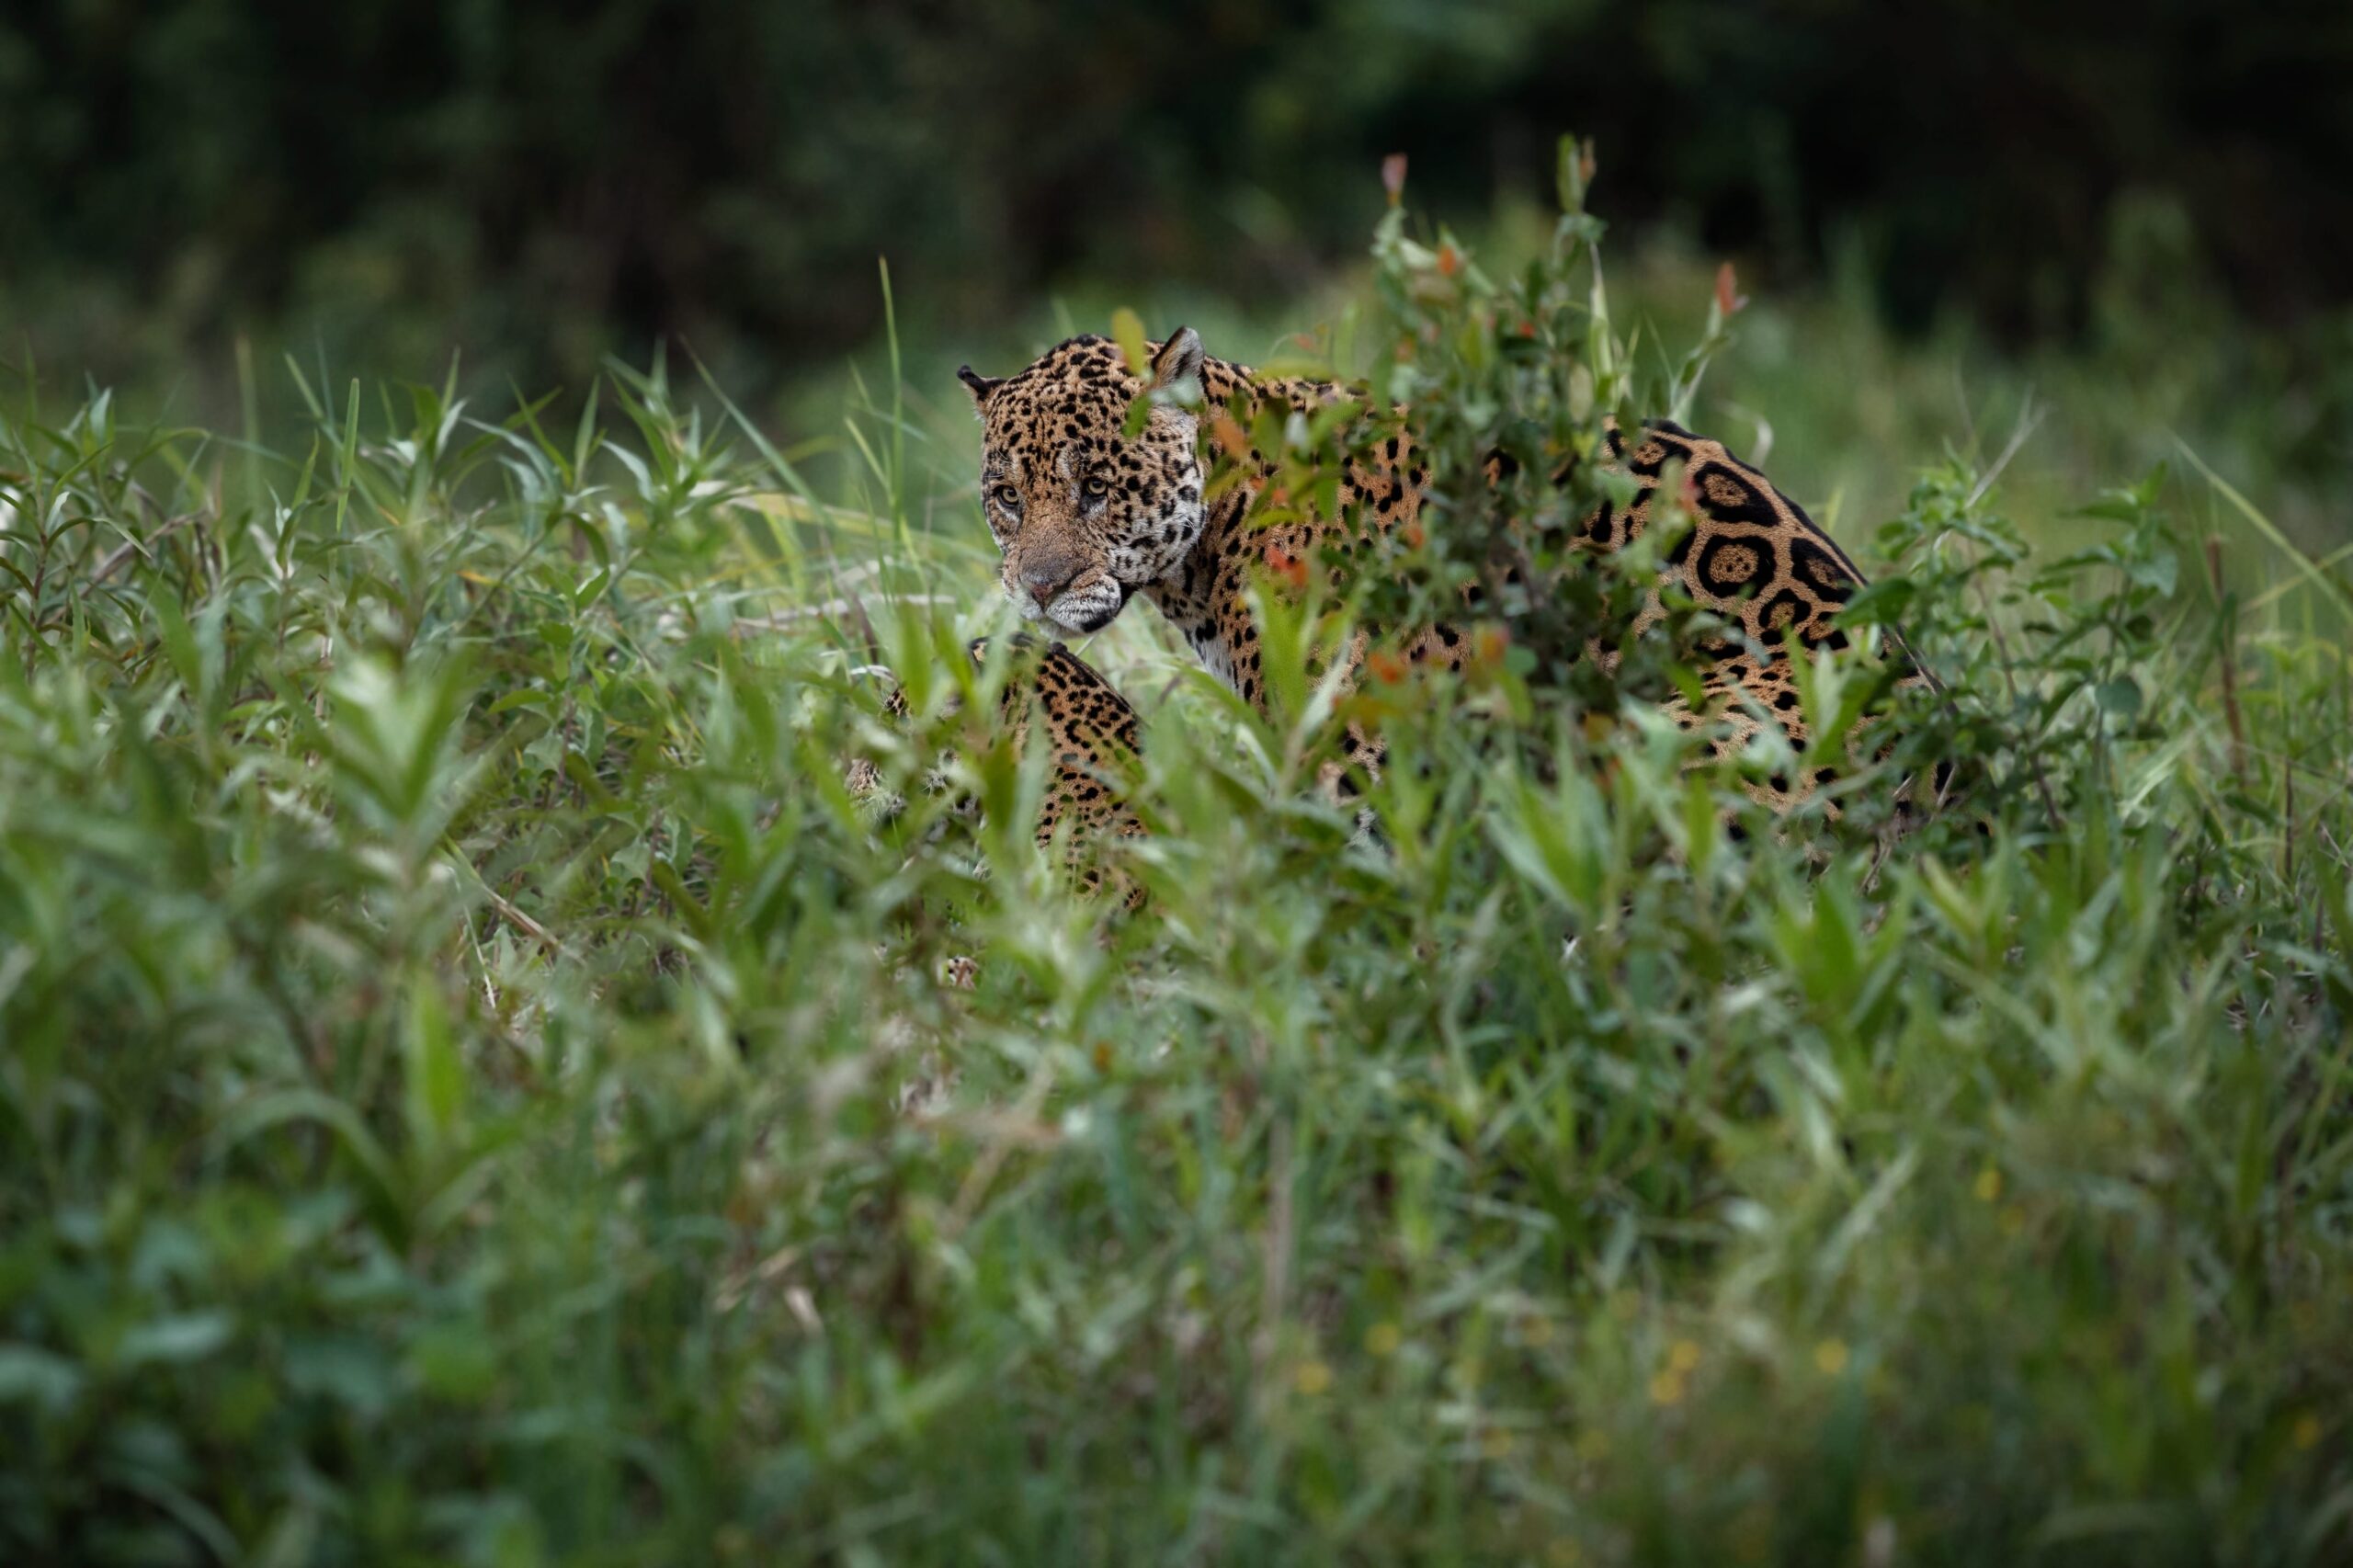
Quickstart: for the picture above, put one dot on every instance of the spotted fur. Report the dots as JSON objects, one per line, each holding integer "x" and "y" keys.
{"x": 1086, "y": 519}
{"x": 1082, "y": 514}
{"x": 1091, "y": 743}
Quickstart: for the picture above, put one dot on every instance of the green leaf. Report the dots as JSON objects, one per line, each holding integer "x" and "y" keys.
{"x": 2121, "y": 697}
{"x": 454, "y": 1361}
{"x": 186, "y": 1336}
{"x": 1126, "y": 331}
{"x": 30, "y": 1375}
{"x": 435, "y": 1075}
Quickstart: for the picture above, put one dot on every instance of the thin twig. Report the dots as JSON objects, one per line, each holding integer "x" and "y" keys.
{"x": 521, "y": 921}
{"x": 506, "y": 909}
{"x": 2030, "y": 416}
{"x": 2009, "y": 682}
{"x": 2028, "y": 419}
{"x": 863, "y": 624}
{"x": 2229, "y": 663}
{"x": 983, "y": 1171}
{"x": 2288, "y": 852}
{"x": 1276, "y": 1268}
{"x": 775, "y": 620}
{"x": 130, "y": 547}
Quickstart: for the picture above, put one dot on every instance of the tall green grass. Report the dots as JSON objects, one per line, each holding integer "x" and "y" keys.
{"x": 459, "y": 1033}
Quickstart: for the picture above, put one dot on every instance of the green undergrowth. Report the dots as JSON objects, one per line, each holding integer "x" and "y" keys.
{"x": 477, "y": 1087}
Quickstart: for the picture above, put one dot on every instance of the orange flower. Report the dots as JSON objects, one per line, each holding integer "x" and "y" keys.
{"x": 1488, "y": 643}
{"x": 1729, "y": 299}
{"x": 1450, "y": 260}
{"x": 1386, "y": 666}
{"x": 1285, "y": 566}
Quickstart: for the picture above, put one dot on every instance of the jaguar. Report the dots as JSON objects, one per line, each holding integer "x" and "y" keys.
{"x": 1091, "y": 510}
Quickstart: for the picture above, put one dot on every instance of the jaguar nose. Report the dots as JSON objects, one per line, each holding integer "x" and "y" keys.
{"x": 1044, "y": 586}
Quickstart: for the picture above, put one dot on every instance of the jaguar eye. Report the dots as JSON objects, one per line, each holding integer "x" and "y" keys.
{"x": 1098, "y": 486}
{"x": 1008, "y": 497}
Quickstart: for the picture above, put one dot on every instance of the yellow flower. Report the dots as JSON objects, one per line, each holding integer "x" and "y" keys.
{"x": 1989, "y": 1185}
{"x": 1830, "y": 1357}
{"x": 1667, "y": 1389}
{"x": 1312, "y": 1377}
{"x": 1682, "y": 1356}
{"x": 1383, "y": 1339}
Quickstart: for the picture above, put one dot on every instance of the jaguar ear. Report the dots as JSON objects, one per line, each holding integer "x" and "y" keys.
{"x": 979, "y": 385}
{"x": 1179, "y": 359}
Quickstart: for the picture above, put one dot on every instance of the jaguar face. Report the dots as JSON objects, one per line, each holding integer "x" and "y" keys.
{"x": 1083, "y": 514}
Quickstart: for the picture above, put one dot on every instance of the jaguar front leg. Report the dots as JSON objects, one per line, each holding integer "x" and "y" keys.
{"x": 1092, "y": 739}
{"x": 1095, "y": 746}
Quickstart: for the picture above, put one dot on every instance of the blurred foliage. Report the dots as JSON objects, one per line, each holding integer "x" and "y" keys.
{"x": 457, "y": 1034}
{"x": 544, "y": 182}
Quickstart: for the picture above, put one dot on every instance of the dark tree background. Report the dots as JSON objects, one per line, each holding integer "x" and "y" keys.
{"x": 563, "y": 177}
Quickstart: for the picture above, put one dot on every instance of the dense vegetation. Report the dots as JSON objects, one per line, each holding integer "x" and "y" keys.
{"x": 476, "y": 1085}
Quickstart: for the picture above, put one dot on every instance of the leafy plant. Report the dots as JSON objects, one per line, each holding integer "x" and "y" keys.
{"x": 455, "y": 1025}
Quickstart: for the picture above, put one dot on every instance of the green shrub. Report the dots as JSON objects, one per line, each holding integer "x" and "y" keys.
{"x": 456, "y": 1022}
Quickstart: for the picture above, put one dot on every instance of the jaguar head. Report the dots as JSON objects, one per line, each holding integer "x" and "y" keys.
{"x": 1084, "y": 512}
